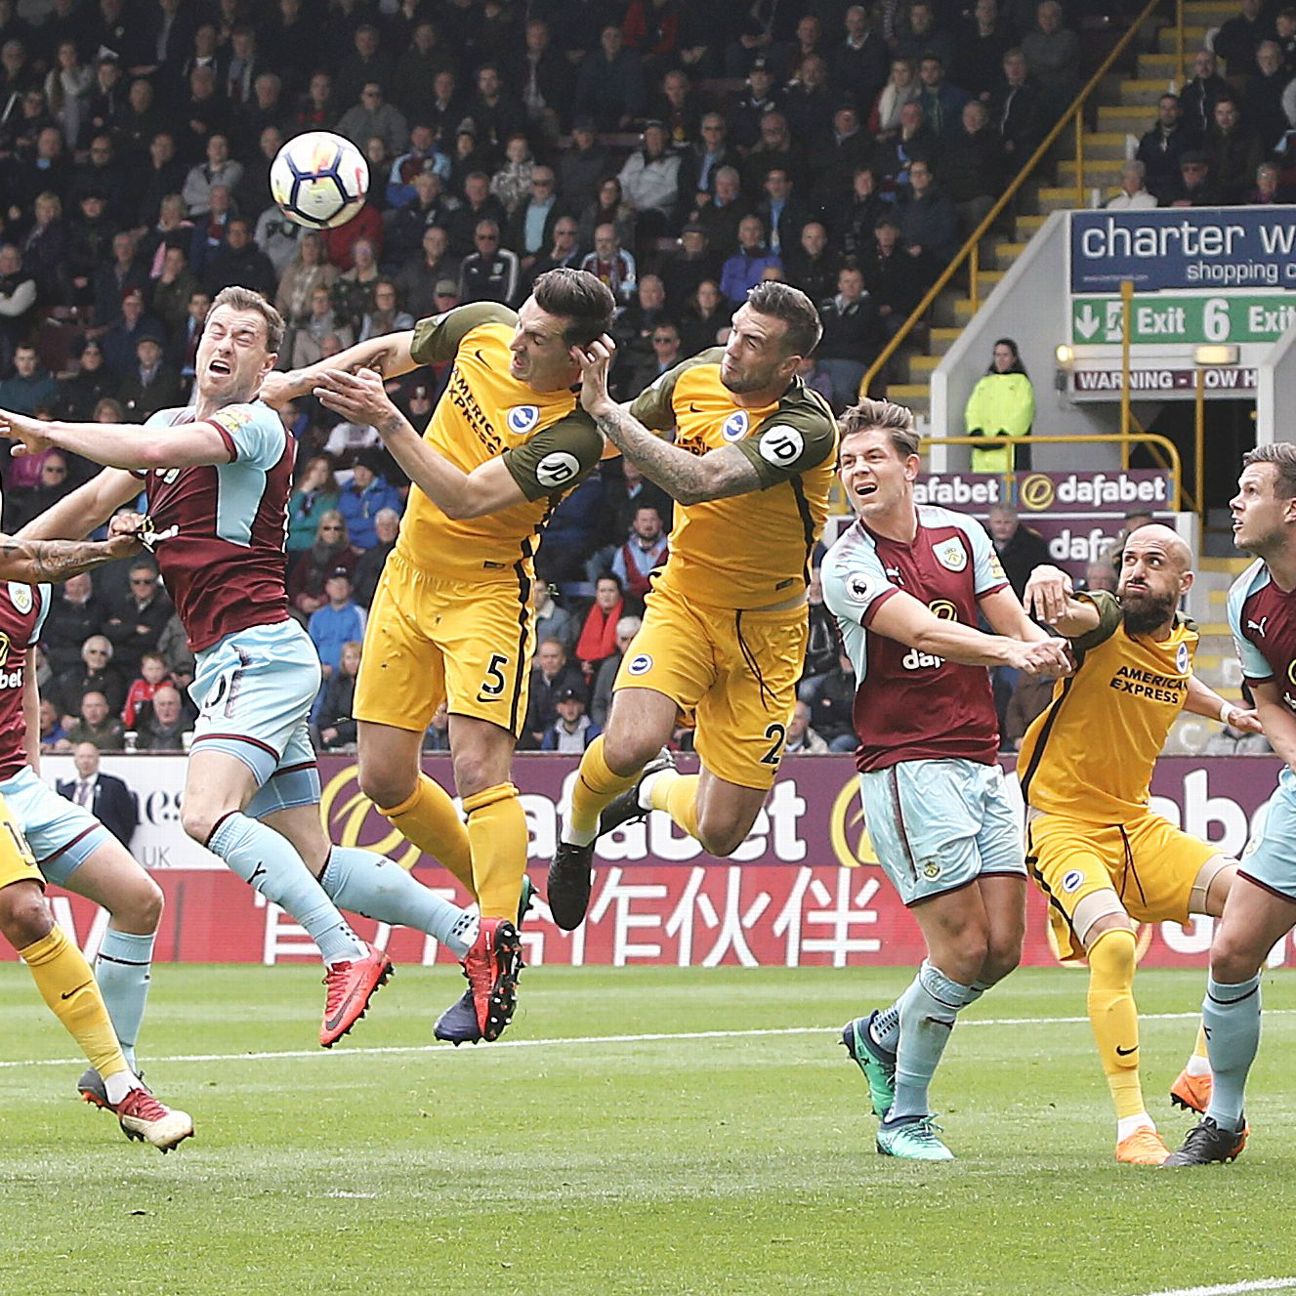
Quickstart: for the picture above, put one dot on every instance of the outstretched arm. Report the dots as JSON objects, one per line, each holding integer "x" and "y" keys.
{"x": 1049, "y": 597}
{"x": 360, "y": 398}
{"x": 688, "y": 478}
{"x": 119, "y": 445}
{"x": 389, "y": 355}
{"x": 1204, "y": 701}
{"x": 35, "y": 562}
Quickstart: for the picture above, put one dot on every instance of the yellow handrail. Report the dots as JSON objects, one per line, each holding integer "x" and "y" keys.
{"x": 971, "y": 249}
{"x": 1123, "y": 439}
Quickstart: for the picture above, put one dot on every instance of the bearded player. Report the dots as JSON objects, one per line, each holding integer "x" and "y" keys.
{"x": 908, "y": 584}
{"x": 1105, "y": 861}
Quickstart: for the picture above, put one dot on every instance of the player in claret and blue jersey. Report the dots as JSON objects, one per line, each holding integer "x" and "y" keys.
{"x": 1261, "y": 907}
{"x": 218, "y": 476}
{"x": 907, "y": 585}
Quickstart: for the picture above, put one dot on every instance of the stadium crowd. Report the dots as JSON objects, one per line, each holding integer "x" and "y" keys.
{"x": 682, "y": 153}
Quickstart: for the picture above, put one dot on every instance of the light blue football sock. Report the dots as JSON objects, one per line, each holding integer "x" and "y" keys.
{"x": 885, "y": 1028}
{"x": 122, "y": 971}
{"x": 1231, "y": 1016}
{"x": 928, "y": 1010}
{"x": 267, "y": 861}
{"x": 369, "y": 884}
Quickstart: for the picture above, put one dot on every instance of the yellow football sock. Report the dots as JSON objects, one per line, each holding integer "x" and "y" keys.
{"x": 68, "y": 986}
{"x": 497, "y": 829}
{"x": 677, "y": 795}
{"x": 595, "y": 786}
{"x": 429, "y": 819}
{"x": 1114, "y": 1017}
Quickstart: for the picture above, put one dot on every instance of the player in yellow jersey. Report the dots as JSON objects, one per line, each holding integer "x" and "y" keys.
{"x": 725, "y": 627}
{"x": 452, "y": 618}
{"x": 1103, "y": 858}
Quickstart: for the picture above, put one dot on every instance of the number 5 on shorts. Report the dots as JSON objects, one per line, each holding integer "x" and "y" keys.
{"x": 494, "y": 684}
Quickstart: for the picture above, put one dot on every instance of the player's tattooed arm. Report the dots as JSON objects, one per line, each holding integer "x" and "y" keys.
{"x": 688, "y": 478}
{"x": 35, "y": 562}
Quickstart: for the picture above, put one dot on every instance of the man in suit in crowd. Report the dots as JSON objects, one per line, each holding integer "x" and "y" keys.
{"x": 105, "y": 796}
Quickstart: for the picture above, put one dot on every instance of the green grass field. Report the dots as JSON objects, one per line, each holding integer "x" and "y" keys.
{"x": 573, "y": 1158}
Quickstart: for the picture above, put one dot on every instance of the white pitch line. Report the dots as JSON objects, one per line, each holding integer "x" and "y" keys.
{"x": 447, "y": 1050}
{"x": 1233, "y": 1289}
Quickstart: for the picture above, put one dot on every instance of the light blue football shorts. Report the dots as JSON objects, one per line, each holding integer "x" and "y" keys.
{"x": 61, "y": 834}
{"x": 254, "y": 690}
{"x": 1270, "y": 856}
{"x": 938, "y": 825}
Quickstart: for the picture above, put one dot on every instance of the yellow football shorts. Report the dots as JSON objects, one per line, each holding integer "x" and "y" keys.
{"x": 736, "y": 672}
{"x": 430, "y": 641}
{"x": 17, "y": 863}
{"x": 1149, "y": 863}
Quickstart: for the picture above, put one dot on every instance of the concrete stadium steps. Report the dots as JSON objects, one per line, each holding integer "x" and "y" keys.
{"x": 917, "y": 396}
{"x": 1129, "y": 119}
{"x": 1104, "y": 146}
{"x": 942, "y": 339}
{"x": 1099, "y": 173}
{"x": 1145, "y": 92}
{"x": 1006, "y": 253}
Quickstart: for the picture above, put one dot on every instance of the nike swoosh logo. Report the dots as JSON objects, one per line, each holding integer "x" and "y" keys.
{"x": 68, "y": 994}
{"x": 481, "y": 358}
{"x": 333, "y": 1022}
{"x": 1125, "y": 1052}
{"x": 694, "y": 409}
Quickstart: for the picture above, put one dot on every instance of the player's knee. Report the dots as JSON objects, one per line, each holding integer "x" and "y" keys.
{"x": 475, "y": 771}
{"x": 386, "y": 786}
{"x": 1232, "y": 961}
{"x": 141, "y": 909}
{"x": 722, "y": 839}
{"x": 198, "y": 820}
{"x": 1003, "y": 954}
{"x": 25, "y": 917}
{"x": 626, "y": 751}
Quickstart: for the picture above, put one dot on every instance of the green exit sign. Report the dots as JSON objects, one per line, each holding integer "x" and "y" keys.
{"x": 1190, "y": 320}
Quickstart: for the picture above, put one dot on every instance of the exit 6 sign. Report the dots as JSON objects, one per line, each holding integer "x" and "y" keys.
{"x": 1189, "y": 320}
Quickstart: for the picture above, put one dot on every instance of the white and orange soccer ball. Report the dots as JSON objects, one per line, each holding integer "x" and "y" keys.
{"x": 319, "y": 180}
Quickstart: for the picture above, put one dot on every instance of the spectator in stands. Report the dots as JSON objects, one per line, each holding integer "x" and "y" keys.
{"x": 364, "y": 497}
{"x": 307, "y": 272}
{"x": 369, "y": 568}
{"x": 75, "y": 613}
{"x": 802, "y": 740}
{"x": 491, "y": 272}
{"x": 31, "y": 387}
{"x": 1020, "y": 548}
{"x": 610, "y": 87}
{"x": 832, "y": 706}
{"x": 337, "y": 726}
{"x": 859, "y": 61}
{"x": 143, "y": 688}
{"x": 608, "y": 207}
{"x": 163, "y": 726}
{"x": 119, "y": 341}
{"x": 666, "y": 354}
{"x": 942, "y": 103}
{"x": 1002, "y": 407}
{"x": 1099, "y": 575}
{"x": 417, "y": 279}
{"x": 642, "y": 553}
{"x": 21, "y": 506}
{"x": 551, "y": 675}
{"x": 309, "y": 335}
{"x": 1238, "y": 40}
{"x": 184, "y": 349}
{"x": 894, "y": 155}
{"x": 1233, "y": 151}
{"x": 544, "y": 78}
{"x": 782, "y": 213}
{"x": 902, "y": 87}
{"x": 1030, "y": 695}
{"x": 706, "y": 314}
{"x": 650, "y": 182}
{"x": 1018, "y": 112}
{"x": 52, "y": 733}
{"x": 152, "y": 384}
{"x": 336, "y": 622}
{"x": 45, "y": 246}
{"x": 316, "y": 492}
{"x": 571, "y": 730}
{"x": 970, "y": 164}
{"x": 552, "y": 621}
{"x": 813, "y": 266}
{"x": 385, "y": 316}
{"x": 218, "y": 169}
{"x": 89, "y": 384}
{"x": 173, "y": 288}
{"x": 113, "y": 282}
{"x": 94, "y": 671}
{"x": 372, "y": 116}
{"x": 834, "y": 160}
{"x": 852, "y": 336}
{"x": 605, "y": 677}
{"x": 511, "y": 183}
{"x": 822, "y": 643}
{"x": 701, "y": 160}
{"x": 96, "y": 724}
{"x": 928, "y": 221}
{"x": 575, "y": 530}
{"x": 809, "y": 103}
{"x": 815, "y": 377}
{"x": 611, "y": 263}
{"x": 1133, "y": 195}
{"x": 1268, "y": 187}
{"x": 563, "y": 251}
{"x": 597, "y": 639}
{"x": 582, "y": 166}
{"x": 1234, "y": 742}
{"x": 925, "y": 35}
{"x": 353, "y": 290}
{"x": 1052, "y": 54}
{"x": 776, "y": 147}
{"x": 17, "y": 302}
{"x": 987, "y": 36}
{"x": 746, "y": 268}
{"x": 1196, "y": 186}
{"x": 1204, "y": 90}
{"x": 135, "y": 624}
{"x": 531, "y": 225}
{"x": 893, "y": 275}
{"x": 763, "y": 96}
{"x": 1262, "y": 100}
{"x": 332, "y": 549}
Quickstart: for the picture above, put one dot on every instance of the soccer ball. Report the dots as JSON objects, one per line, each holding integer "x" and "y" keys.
{"x": 319, "y": 180}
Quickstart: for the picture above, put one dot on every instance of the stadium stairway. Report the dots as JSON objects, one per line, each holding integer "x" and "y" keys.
{"x": 1126, "y": 108}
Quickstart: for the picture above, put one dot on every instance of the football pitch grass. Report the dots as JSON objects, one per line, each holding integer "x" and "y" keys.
{"x": 638, "y": 1131}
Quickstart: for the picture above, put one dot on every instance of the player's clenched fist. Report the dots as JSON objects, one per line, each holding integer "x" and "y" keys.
{"x": 1046, "y": 657}
{"x": 1047, "y": 593}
